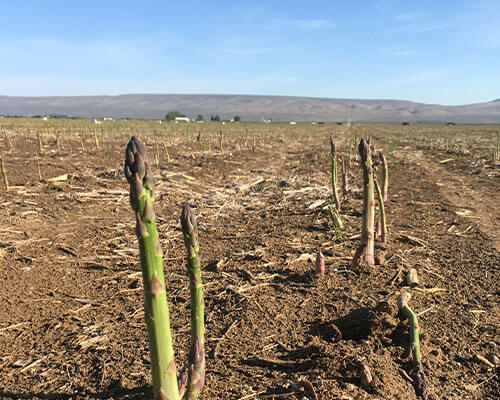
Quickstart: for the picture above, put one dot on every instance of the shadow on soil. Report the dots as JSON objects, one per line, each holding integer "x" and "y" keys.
{"x": 114, "y": 391}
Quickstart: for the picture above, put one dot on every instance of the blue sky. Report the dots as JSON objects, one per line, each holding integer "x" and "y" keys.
{"x": 445, "y": 52}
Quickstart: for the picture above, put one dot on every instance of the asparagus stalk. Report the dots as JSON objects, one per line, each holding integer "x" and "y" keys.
{"x": 320, "y": 263}
{"x": 385, "y": 175}
{"x": 4, "y": 174}
{"x": 345, "y": 181}
{"x": 418, "y": 375}
{"x": 40, "y": 144}
{"x": 58, "y": 142}
{"x": 96, "y": 141}
{"x": 366, "y": 250}
{"x": 338, "y": 225}
{"x": 334, "y": 174}
{"x": 383, "y": 224}
{"x": 167, "y": 155}
{"x": 140, "y": 177}
{"x": 8, "y": 140}
{"x": 81, "y": 142}
{"x": 196, "y": 358}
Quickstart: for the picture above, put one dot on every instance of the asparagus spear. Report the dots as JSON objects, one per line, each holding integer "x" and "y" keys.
{"x": 196, "y": 358}
{"x": 40, "y": 144}
{"x": 334, "y": 174}
{"x": 382, "y": 212}
{"x": 420, "y": 383}
{"x": 385, "y": 172}
{"x": 345, "y": 178}
{"x": 4, "y": 174}
{"x": 366, "y": 250}
{"x": 140, "y": 177}
{"x": 320, "y": 263}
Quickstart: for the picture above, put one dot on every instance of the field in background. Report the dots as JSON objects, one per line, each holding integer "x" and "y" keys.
{"x": 72, "y": 321}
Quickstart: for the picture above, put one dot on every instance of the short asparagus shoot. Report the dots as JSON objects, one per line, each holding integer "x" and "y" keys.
{"x": 417, "y": 372}
{"x": 320, "y": 263}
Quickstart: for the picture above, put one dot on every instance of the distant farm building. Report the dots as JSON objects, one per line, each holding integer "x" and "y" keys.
{"x": 293, "y": 123}
{"x": 181, "y": 119}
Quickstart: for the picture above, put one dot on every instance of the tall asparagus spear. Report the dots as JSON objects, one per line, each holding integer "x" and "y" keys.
{"x": 334, "y": 174}
{"x": 140, "y": 177}
{"x": 382, "y": 211}
{"x": 345, "y": 178}
{"x": 196, "y": 358}
{"x": 385, "y": 176}
{"x": 420, "y": 383}
{"x": 366, "y": 250}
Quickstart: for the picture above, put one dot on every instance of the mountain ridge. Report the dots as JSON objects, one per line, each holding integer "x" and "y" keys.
{"x": 250, "y": 107}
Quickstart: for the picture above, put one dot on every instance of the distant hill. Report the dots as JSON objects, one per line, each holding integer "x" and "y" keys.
{"x": 250, "y": 108}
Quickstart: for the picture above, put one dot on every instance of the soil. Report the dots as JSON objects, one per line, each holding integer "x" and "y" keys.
{"x": 72, "y": 320}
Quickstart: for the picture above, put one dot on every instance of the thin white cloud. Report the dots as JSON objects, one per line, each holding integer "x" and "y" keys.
{"x": 423, "y": 27}
{"x": 307, "y": 24}
{"x": 246, "y": 52}
{"x": 408, "y": 16}
{"x": 398, "y": 51}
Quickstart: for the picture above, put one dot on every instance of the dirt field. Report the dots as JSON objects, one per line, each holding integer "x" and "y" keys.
{"x": 72, "y": 321}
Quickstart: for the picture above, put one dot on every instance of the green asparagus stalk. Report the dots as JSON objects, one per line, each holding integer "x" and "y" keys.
{"x": 338, "y": 225}
{"x": 167, "y": 155}
{"x": 157, "y": 154}
{"x": 382, "y": 212}
{"x": 385, "y": 175}
{"x": 58, "y": 141}
{"x": 417, "y": 372}
{"x": 196, "y": 358}
{"x": 96, "y": 141}
{"x": 81, "y": 142}
{"x": 4, "y": 174}
{"x": 334, "y": 174}
{"x": 345, "y": 178}
{"x": 40, "y": 144}
{"x": 8, "y": 140}
{"x": 140, "y": 177}
{"x": 366, "y": 250}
